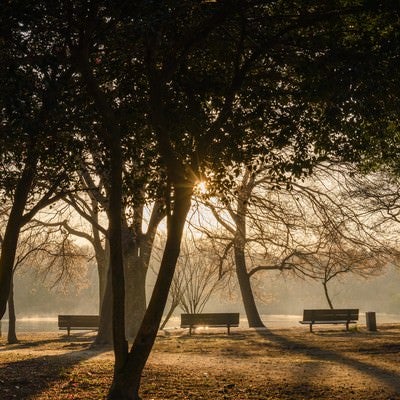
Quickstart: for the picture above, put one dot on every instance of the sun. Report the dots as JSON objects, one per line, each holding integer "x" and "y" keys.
{"x": 201, "y": 187}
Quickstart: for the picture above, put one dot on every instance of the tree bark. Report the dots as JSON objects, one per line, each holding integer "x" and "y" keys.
{"x": 105, "y": 334}
{"x": 126, "y": 382}
{"x": 112, "y": 138}
{"x": 253, "y": 317}
{"x": 135, "y": 286}
{"x": 137, "y": 252}
{"x": 239, "y": 242}
{"x": 11, "y": 235}
{"x": 102, "y": 260}
{"x": 136, "y": 260}
{"x": 328, "y": 299}
{"x": 12, "y": 333}
{"x": 116, "y": 255}
{"x": 171, "y": 310}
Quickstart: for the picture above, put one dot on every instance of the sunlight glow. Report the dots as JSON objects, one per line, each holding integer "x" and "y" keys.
{"x": 201, "y": 187}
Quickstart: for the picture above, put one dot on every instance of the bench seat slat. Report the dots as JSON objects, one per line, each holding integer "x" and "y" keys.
{"x": 329, "y": 322}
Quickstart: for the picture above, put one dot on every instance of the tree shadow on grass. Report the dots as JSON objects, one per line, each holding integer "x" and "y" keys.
{"x": 29, "y": 375}
{"x": 384, "y": 375}
{"x": 53, "y": 340}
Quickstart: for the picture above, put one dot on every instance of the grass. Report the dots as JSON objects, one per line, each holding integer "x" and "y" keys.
{"x": 289, "y": 364}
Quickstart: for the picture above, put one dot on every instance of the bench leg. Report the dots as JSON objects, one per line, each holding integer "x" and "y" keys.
{"x": 229, "y": 329}
{"x": 190, "y": 330}
{"x": 347, "y": 326}
{"x": 68, "y": 331}
{"x": 310, "y": 327}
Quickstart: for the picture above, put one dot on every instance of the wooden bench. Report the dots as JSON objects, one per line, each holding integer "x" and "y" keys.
{"x": 78, "y": 322}
{"x": 328, "y": 316}
{"x": 209, "y": 319}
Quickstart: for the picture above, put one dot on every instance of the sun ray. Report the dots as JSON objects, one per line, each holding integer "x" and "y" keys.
{"x": 201, "y": 187}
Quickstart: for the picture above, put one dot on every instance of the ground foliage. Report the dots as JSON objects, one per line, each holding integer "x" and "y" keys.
{"x": 268, "y": 365}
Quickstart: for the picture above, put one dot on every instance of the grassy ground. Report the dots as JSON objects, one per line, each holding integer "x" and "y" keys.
{"x": 287, "y": 364}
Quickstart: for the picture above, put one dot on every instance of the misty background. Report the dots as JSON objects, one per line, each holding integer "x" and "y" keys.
{"x": 278, "y": 294}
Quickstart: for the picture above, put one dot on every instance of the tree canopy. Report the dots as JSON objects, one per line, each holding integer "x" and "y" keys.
{"x": 165, "y": 93}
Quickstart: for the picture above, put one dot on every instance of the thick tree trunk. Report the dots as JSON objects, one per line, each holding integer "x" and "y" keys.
{"x": 328, "y": 299}
{"x": 102, "y": 260}
{"x": 102, "y": 274}
{"x": 136, "y": 260}
{"x": 12, "y": 333}
{"x": 135, "y": 288}
{"x": 104, "y": 334}
{"x": 116, "y": 253}
{"x": 137, "y": 252}
{"x": 126, "y": 382}
{"x": 113, "y": 140}
{"x": 253, "y": 317}
{"x": 11, "y": 235}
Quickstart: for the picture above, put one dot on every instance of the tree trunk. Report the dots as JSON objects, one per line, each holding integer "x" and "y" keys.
{"x": 171, "y": 310}
{"x": 126, "y": 381}
{"x": 102, "y": 260}
{"x": 328, "y": 299}
{"x": 116, "y": 254}
{"x": 138, "y": 247}
{"x": 104, "y": 334}
{"x": 102, "y": 274}
{"x": 253, "y": 317}
{"x": 113, "y": 141}
{"x": 135, "y": 287}
{"x": 11, "y": 235}
{"x": 12, "y": 333}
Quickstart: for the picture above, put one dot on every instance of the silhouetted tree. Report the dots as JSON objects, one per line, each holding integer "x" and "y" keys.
{"x": 33, "y": 114}
{"x": 206, "y": 86}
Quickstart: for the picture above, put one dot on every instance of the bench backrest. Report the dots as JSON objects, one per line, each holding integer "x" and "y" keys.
{"x": 342, "y": 314}
{"x": 212, "y": 319}
{"x": 86, "y": 321}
